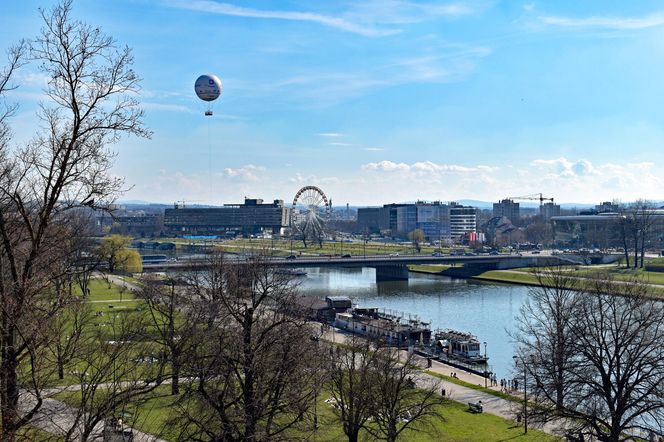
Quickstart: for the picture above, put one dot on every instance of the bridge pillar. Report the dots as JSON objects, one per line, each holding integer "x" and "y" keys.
{"x": 395, "y": 272}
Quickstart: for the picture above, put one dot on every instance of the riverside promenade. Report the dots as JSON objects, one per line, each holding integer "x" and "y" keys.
{"x": 492, "y": 404}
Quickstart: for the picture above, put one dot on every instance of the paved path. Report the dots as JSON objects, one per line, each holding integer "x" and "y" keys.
{"x": 491, "y": 404}
{"x": 57, "y": 418}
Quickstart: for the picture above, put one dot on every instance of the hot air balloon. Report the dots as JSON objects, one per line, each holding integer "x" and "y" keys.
{"x": 208, "y": 88}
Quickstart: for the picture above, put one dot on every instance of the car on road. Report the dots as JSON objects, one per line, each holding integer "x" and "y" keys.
{"x": 394, "y": 254}
{"x": 436, "y": 254}
{"x": 494, "y": 252}
{"x": 347, "y": 255}
{"x": 291, "y": 257}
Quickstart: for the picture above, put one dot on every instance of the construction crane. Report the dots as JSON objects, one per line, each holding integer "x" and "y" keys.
{"x": 535, "y": 196}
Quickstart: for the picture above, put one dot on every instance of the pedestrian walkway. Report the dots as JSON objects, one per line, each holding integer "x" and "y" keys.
{"x": 491, "y": 404}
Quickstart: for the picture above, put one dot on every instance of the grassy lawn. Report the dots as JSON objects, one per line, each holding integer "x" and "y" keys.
{"x": 462, "y": 383}
{"x": 528, "y": 277}
{"x": 30, "y": 433}
{"x": 508, "y": 277}
{"x": 429, "y": 268}
{"x": 100, "y": 290}
{"x": 457, "y": 424}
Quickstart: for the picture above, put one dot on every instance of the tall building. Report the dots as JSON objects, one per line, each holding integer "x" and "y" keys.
{"x": 607, "y": 207}
{"x": 369, "y": 219}
{"x": 507, "y": 208}
{"x": 463, "y": 219}
{"x": 433, "y": 218}
{"x": 548, "y": 210}
{"x": 252, "y": 217}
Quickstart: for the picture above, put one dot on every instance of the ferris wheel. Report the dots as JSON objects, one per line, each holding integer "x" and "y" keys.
{"x": 314, "y": 208}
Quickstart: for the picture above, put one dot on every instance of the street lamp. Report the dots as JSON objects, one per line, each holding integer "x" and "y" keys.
{"x": 525, "y": 397}
{"x": 486, "y": 371}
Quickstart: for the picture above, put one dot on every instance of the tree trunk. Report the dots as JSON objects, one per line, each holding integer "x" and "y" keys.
{"x": 391, "y": 435}
{"x": 643, "y": 245}
{"x": 248, "y": 388}
{"x": 624, "y": 238}
{"x": 175, "y": 377}
{"x": 636, "y": 248}
{"x": 61, "y": 368}
{"x": 9, "y": 383}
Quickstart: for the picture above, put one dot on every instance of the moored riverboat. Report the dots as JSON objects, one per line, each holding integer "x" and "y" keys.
{"x": 392, "y": 328}
{"x": 453, "y": 344}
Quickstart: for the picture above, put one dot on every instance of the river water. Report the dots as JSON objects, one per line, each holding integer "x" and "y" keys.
{"x": 485, "y": 310}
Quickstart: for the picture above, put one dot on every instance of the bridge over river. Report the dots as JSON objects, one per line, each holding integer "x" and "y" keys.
{"x": 394, "y": 268}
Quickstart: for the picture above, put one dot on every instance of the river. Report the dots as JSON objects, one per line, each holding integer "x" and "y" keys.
{"x": 486, "y": 310}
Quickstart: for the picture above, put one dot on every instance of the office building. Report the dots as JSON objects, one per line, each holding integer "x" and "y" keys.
{"x": 463, "y": 220}
{"x": 252, "y": 217}
{"x": 433, "y": 218}
{"x": 507, "y": 208}
{"x": 549, "y": 210}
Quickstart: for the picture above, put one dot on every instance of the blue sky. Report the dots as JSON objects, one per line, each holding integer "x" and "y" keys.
{"x": 382, "y": 101}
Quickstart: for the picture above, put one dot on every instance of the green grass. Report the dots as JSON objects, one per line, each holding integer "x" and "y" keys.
{"x": 529, "y": 278}
{"x": 508, "y": 277}
{"x": 33, "y": 434}
{"x": 429, "y": 268}
{"x": 463, "y": 383}
{"x": 101, "y": 290}
{"x": 457, "y": 424}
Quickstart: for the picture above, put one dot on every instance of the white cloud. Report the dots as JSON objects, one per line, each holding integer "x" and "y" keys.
{"x": 424, "y": 167}
{"x": 248, "y": 172}
{"x": 386, "y": 166}
{"x": 209, "y": 6}
{"x": 403, "y": 12}
{"x": 617, "y": 23}
{"x": 330, "y": 134}
{"x": 337, "y": 143}
{"x": 565, "y": 168}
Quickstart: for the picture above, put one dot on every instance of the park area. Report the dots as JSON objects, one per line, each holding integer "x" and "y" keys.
{"x": 156, "y": 410}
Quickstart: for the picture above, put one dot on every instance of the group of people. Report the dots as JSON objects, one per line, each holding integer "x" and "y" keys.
{"x": 507, "y": 385}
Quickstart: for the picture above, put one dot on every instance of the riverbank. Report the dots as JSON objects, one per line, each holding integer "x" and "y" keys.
{"x": 527, "y": 277}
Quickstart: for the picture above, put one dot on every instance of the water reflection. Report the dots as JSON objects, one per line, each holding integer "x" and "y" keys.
{"x": 486, "y": 310}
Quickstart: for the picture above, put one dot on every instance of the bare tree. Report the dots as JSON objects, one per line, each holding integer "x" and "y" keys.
{"x": 91, "y": 103}
{"x": 351, "y": 383}
{"x": 636, "y": 227}
{"x": 625, "y": 224}
{"x": 644, "y": 214}
{"x": 66, "y": 329}
{"x": 544, "y": 335}
{"x": 619, "y": 384}
{"x": 252, "y": 362}
{"x": 165, "y": 301}
{"x": 115, "y": 370}
{"x": 613, "y": 375}
{"x": 397, "y": 404}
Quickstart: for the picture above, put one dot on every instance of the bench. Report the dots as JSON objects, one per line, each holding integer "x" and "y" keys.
{"x": 475, "y": 407}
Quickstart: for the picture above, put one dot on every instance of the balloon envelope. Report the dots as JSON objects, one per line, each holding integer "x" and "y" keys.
{"x": 208, "y": 87}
